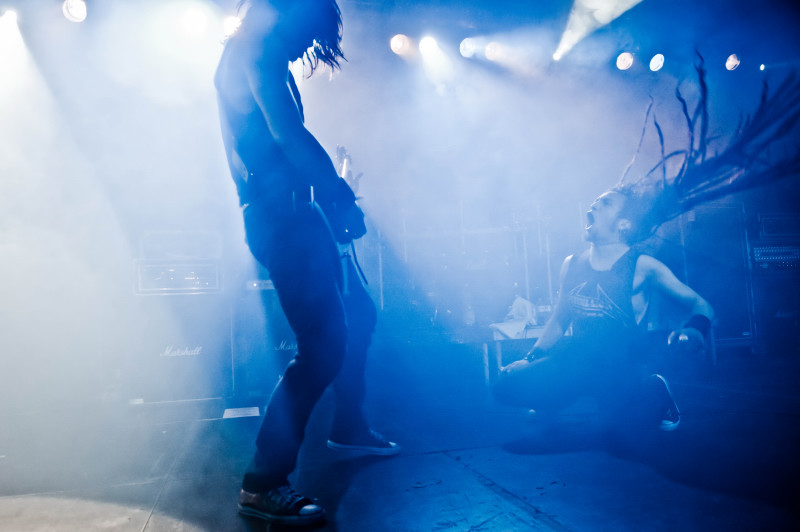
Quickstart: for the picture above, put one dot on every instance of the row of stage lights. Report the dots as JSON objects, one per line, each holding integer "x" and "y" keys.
{"x": 73, "y": 10}
{"x": 192, "y": 21}
{"x": 400, "y": 44}
{"x": 403, "y": 45}
{"x": 625, "y": 61}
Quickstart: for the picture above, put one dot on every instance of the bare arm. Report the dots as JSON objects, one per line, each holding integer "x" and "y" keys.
{"x": 557, "y": 324}
{"x": 696, "y": 333}
{"x": 267, "y": 77}
{"x": 656, "y": 276}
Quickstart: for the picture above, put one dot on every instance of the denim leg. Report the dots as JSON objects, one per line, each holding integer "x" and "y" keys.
{"x": 350, "y": 384}
{"x": 546, "y": 384}
{"x": 574, "y": 368}
{"x": 302, "y": 259}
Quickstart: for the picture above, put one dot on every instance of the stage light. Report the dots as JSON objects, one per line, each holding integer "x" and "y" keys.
{"x": 624, "y": 60}
{"x": 8, "y": 18}
{"x": 494, "y": 51}
{"x": 74, "y": 10}
{"x": 657, "y": 62}
{"x": 428, "y": 47}
{"x": 400, "y": 44}
{"x": 194, "y": 21}
{"x": 168, "y": 55}
{"x": 468, "y": 47}
{"x": 732, "y": 63}
{"x": 762, "y": 67}
{"x": 230, "y": 24}
{"x": 438, "y": 66}
{"x": 523, "y": 52}
{"x": 10, "y": 37}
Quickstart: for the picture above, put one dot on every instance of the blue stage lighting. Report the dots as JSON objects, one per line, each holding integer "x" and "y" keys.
{"x": 657, "y": 62}
{"x": 624, "y": 60}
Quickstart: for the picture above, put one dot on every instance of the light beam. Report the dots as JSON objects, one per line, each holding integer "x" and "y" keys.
{"x": 587, "y": 16}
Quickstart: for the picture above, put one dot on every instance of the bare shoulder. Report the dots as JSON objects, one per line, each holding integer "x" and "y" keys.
{"x": 650, "y": 271}
{"x": 248, "y": 67}
{"x": 255, "y": 49}
{"x": 565, "y": 266}
{"x": 647, "y": 264}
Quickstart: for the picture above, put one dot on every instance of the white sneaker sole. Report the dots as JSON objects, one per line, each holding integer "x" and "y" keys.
{"x": 296, "y": 520}
{"x": 393, "y": 450}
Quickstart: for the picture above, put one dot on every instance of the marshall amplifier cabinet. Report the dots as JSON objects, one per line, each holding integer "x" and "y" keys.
{"x": 776, "y": 244}
{"x": 775, "y": 260}
{"x": 181, "y": 349}
{"x": 715, "y": 248}
{"x": 178, "y": 345}
{"x": 166, "y": 277}
{"x": 261, "y": 340}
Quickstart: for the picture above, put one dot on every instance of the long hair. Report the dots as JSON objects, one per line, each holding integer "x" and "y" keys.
{"x": 762, "y": 150}
{"x": 327, "y": 36}
{"x": 322, "y": 18}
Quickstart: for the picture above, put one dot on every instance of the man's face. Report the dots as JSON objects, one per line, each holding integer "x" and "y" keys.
{"x": 602, "y": 219}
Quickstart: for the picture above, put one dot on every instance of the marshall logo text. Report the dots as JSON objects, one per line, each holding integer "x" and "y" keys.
{"x": 172, "y": 351}
{"x": 286, "y": 345}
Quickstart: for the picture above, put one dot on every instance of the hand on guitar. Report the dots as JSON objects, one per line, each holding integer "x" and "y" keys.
{"x": 344, "y": 214}
{"x": 347, "y": 218}
{"x": 345, "y": 162}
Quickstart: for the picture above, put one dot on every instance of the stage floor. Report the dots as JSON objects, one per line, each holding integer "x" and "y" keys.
{"x": 467, "y": 463}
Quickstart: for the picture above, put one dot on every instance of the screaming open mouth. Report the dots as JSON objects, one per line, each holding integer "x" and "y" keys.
{"x": 589, "y": 220}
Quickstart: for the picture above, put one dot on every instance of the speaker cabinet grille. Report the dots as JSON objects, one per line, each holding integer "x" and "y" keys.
{"x": 180, "y": 349}
{"x": 717, "y": 267}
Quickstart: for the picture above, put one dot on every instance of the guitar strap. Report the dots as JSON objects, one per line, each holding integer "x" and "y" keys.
{"x": 347, "y": 256}
{"x": 296, "y": 95}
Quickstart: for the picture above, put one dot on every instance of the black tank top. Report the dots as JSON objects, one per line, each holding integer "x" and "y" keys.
{"x": 600, "y": 301}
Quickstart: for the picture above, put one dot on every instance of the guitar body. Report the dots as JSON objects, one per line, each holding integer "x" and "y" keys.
{"x": 344, "y": 215}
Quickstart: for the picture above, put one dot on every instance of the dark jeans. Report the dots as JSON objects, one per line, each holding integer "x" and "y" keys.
{"x": 576, "y": 368}
{"x": 333, "y": 329}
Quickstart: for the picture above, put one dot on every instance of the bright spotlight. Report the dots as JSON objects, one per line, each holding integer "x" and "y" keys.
{"x": 230, "y": 24}
{"x": 468, "y": 47}
{"x": 732, "y": 63}
{"x": 15, "y": 66}
{"x": 400, "y": 44}
{"x": 624, "y": 60}
{"x": 428, "y": 46}
{"x": 9, "y": 17}
{"x": 657, "y": 62}
{"x": 762, "y": 67}
{"x": 494, "y": 51}
{"x": 438, "y": 66}
{"x": 74, "y": 10}
{"x": 9, "y": 36}
{"x": 194, "y": 21}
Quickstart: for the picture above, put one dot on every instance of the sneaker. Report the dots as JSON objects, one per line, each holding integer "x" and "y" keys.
{"x": 281, "y": 505}
{"x": 670, "y": 415}
{"x": 370, "y": 443}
